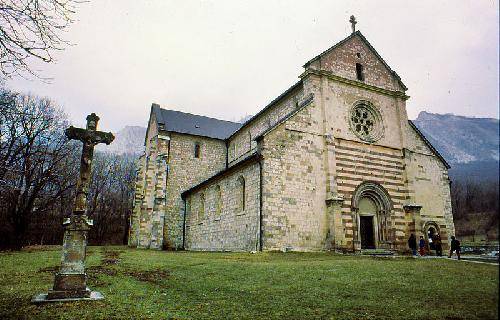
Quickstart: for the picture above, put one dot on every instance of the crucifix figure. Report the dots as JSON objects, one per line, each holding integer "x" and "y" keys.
{"x": 90, "y": 137}
{"x": 353, "y": 23}
{"x": 70, "y": 282}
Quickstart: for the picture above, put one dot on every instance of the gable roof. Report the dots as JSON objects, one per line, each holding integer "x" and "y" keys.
{"x": 300, "y": 106}
{"x": 360, "y": 35}
{"x": 181, "y": 122}
{"x": 427, "y": 142}
{"x": 268, "y": 106}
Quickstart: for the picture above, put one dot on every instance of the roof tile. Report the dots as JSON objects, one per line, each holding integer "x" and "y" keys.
{"x": 181, "y": 122}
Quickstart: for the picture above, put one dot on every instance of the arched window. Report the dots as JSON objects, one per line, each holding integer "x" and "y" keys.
{"x": 218, "y": 200}
{"x": 242, "y": 198}
{"x": 201, "y": 212}
{"x": 197, "y": 150}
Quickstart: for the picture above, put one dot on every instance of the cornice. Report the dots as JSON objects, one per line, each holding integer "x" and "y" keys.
{"x": 359, "y": 84}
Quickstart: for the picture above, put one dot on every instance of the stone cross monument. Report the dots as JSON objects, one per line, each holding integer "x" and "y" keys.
{"x": 70, "y": 282}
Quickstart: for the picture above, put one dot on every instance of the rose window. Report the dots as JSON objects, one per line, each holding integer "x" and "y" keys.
{"x": 366, "y": 122}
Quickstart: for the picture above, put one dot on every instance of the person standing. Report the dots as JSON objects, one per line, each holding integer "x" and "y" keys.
{"x": 455, "y": 246}
{"x": 412, "y": 244}
{"x": 421, "y": 246}
{"x": 438, "y": 245}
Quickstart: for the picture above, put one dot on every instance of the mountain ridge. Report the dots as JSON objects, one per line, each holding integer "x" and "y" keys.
{"x": 469, "y": 145}
{"x": 461, "y": 139}
{"x": 128, "y": 141}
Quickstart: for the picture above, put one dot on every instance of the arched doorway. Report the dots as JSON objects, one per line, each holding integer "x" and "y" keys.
{"x": 367, "y": 215}
{"x": 372, "y": 206}
{"x": 431, "y": 230}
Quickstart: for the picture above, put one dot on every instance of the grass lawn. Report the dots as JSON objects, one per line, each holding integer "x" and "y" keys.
{"x": 143, "y": 284}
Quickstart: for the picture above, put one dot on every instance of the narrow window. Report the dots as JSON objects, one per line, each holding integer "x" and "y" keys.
{"x": 201, "y": 213}
{"x": 197, "y": 150}
{"x": 188, "y": 206}
{"x": 218, "y": 200}
{"x": 241, "y": 182}
{"x": 359, "y": 72}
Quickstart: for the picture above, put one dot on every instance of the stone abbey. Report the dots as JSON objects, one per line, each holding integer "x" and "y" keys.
{"x": 333, "y": 163}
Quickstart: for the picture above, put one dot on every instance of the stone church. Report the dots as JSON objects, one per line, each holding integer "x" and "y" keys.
{"x": 333, "y": 163}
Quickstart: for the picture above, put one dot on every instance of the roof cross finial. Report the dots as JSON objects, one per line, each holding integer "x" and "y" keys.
{"x": 353, "y": 23}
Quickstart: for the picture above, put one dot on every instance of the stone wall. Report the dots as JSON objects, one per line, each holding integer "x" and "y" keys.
{"x": 150, "y": 193}
{"x": 133, "y": 239}
{"x": 342, "y": 62}
{"x": 308, "y": 161}
{"x": 357, "y": 163}
{"x": 186, "y": 171}
{"x": 145, "y": 191}
{"x": 340, "y": 98}
{"x": 243, "y": 141}
{"x": 167, "y": 169}
{"x": 429, "y": 186}
{"x": 354, "y": 161}
{"x": 294, "y": 184}
{"x": 221, "y": 224}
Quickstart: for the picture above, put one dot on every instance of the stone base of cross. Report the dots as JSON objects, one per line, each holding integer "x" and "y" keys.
{"x": 70, "y": 283}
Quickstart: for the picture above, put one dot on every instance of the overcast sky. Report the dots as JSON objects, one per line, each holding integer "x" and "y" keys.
{"x": 228, "y": 59}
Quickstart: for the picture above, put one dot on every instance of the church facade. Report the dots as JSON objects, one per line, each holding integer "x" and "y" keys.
{"x": 333, "y": 163}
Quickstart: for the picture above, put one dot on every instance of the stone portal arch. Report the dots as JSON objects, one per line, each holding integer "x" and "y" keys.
{"x": 430, "y": 230}
{"x": 372, "y": 206}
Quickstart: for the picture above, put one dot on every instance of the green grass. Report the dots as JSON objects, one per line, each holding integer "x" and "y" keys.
{"x": 142, "y": 284}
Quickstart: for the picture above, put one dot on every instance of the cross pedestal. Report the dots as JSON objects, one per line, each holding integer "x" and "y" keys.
{"x": 70, "y": 282}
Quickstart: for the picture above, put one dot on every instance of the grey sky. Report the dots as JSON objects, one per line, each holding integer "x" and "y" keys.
{"x": 227, "y": 59}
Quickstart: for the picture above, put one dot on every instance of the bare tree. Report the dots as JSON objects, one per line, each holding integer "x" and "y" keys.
{"x": 38, "y": 172}
{"x": 37, "y": 164}
{"x": 475, "y": 207}
{"x": 31, "y": 30}
{"x": 110, "y": 197}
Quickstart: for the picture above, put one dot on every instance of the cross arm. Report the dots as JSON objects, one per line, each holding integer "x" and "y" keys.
{"x": 88, "y": 136}
{"x": 102, "y": 137}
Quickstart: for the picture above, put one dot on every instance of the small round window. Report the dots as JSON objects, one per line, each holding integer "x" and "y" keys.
{"x": 366, "y": 122}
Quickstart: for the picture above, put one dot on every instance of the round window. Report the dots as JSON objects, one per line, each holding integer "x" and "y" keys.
{"x": 366, "y": 122}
